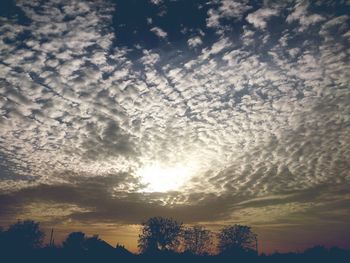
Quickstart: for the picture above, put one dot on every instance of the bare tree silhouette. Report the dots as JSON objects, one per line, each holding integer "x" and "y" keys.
{"x": 197, "y": 240}
{"x": 159, "y": 234}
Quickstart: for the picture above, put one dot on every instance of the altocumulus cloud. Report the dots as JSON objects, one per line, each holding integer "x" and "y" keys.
{"x": 260, "y": 113}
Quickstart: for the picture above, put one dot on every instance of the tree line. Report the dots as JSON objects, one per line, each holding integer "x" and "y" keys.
{"x": 166, "y": 234}
{"x": 158, "y": 234}
{"x": 159, "y": 238}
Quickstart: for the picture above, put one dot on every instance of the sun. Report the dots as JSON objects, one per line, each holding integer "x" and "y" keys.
{"x": 161, "y": 178}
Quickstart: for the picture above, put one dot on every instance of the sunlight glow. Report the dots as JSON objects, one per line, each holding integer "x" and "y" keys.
{"x": 160, "y": 178}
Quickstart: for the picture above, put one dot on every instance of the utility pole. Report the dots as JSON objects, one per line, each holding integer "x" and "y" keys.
{"x": 52, "y": 241}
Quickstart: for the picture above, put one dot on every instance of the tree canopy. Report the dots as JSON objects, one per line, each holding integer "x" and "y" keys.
{"x": 24, "y": 235}
{"x": 237, "y": 238}
{"x": 159, "y": 234}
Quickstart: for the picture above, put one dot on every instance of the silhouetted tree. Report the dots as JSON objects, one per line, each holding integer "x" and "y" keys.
{"x": 197, "y": 240}
{"x": 24, "y": 235}
{"x": 159, "y": 233}
{"x": 237, "y": 239}
{"x": 75, "y": 241}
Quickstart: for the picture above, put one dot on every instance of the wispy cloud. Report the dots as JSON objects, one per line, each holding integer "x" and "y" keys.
{"x": 159, "y": 32}
{"x": 260, "y": 17}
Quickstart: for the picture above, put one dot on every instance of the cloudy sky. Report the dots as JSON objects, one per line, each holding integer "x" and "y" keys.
{"x": 214, "y": 112}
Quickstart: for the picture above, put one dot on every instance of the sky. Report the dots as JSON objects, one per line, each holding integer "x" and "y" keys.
{"x": 213, "y": 112}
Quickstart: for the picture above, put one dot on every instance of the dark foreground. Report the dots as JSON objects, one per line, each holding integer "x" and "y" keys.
{"x": 317, "y": 254}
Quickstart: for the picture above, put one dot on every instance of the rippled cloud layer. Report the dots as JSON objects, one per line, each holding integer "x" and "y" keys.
{"x": 111, "y": 112}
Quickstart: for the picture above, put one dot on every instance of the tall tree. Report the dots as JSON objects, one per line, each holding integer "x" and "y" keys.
{"x": 197, "y": 240}
{"x": 24, "y": 235}
{"x": 237, "y": 238}
{"x": 159, "y": 234}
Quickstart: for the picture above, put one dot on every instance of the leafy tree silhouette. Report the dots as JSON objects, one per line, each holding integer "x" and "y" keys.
{"x": 237, "y": 239}
{"x": 197, "y": 240}
{"x": 24, "y": 235}
{"x": 159, "y": 234}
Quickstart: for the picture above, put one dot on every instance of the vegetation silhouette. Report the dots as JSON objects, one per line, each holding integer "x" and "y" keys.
{"x": 23, "y": 236}
{"x": 197, "y": 240}
{"x": 161, "y": 239}
{"x": 159, "y": 234}
{"x": 237, "y": 239}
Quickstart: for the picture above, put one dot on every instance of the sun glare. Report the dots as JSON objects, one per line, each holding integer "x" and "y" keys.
{"x": 159, "y": 178}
